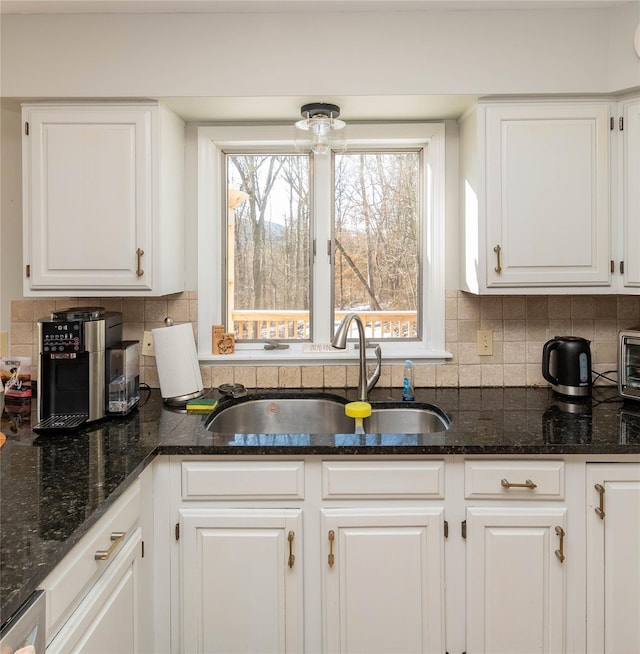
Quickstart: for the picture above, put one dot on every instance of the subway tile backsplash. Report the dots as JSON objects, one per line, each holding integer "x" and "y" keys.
{"x": 520, "y": 326}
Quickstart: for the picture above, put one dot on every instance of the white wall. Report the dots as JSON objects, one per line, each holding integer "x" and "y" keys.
{"x": 321, "y": 55}
{"x": 374, "y": 53}
{"x": 624, "y": 66}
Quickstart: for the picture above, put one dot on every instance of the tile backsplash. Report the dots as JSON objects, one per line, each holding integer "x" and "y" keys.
{"x": 520, "y": 326}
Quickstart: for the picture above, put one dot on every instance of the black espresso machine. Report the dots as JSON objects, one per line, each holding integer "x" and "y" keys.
{"x": 86, "y": 370}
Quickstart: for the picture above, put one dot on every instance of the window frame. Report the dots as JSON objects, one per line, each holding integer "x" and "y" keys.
{"x": 212, "y": 141}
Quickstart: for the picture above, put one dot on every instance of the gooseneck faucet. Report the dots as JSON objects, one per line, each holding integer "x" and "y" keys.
{"x": 365, "y": 383}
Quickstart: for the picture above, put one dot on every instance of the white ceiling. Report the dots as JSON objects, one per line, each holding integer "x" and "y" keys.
{"x": 200, "y": 6}
{"x": 353, "y": 108}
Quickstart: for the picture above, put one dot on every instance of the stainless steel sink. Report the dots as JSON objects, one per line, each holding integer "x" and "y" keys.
{"x": 415, "y": 419}
{"x": 282, "y": 415}
{"x": 279, "y": 413}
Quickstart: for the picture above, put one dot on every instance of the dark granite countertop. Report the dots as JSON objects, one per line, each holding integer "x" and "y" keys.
{"x": 53, "y": 488}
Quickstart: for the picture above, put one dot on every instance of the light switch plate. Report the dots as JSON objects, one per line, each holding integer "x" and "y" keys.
{"x": 484, "y": 342}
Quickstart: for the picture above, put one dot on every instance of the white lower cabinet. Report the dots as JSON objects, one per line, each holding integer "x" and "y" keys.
{"x": 386, "y": 556}
{"x": 106, "y": 621}
{"x": 613, "y": 558}
{"x": 99, "y": 598}
{"x": 370, "y": 550}
{"x": 383, "y": 580}
{"x": 516, "y": 580}
{"x": 242, "y": 580}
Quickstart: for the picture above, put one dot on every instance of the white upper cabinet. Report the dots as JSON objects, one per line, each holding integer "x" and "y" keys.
{"x": 102, "y": 199}
{"x": 536, "y": 179}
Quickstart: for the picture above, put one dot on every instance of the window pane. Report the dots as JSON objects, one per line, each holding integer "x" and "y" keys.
{"x": 268, "y": 280}
{"x": 376, "y": 235}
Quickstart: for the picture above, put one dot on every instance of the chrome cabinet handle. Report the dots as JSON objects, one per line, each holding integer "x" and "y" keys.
{"x": 527, "y": 484}
{"x": 116, "y": 539}
{"x": 560, "y": 551}
{"x": 497, "y": 249}
{"x": 292, "y": 558}
{"x": 600, "y": 509}
{"x": 331, "y": 558}
{"x": 139, "y": 253}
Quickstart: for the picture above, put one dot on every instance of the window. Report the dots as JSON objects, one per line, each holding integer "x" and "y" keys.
{"x": 267, "y": 246}
{"x": 376, "y": 228}
{"x": 289, "y": 242}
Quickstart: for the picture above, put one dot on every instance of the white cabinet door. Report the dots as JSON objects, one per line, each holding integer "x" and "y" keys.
{"x": 547, "y": 194}
{"x": 94, "y": 218}
{"x": 515, "y": 581}
{"x": 107, "y": 619}
{"x": 631, "y": 194}
{"x": 241, "y": 572}
{"x": 613, "y": 558}
{"x": 383, "y": 580}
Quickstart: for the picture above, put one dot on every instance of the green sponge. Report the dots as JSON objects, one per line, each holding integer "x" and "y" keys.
{"x": 201, "y": 405}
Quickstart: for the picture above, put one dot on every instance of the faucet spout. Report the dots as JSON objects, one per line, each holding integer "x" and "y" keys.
{"x": 365, "y": 383}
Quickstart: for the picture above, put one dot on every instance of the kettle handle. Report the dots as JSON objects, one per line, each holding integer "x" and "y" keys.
{"x": 549, "y": 346}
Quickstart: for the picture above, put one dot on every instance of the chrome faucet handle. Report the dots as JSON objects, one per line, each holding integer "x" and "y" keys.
{"x": 372, "y": 379}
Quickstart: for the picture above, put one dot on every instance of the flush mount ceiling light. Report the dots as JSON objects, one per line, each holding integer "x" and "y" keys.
{"x": 321, "y": 124}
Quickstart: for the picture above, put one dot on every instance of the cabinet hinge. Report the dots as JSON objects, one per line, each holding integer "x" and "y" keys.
{"x": 177, "y": 531}
{"x": 28, "y": 270}
{"x": 142, "y": 548}
{"x": 446, "y": 529}
{"x": 613, "y": 266}
{"x": 622, "y": 267}
{"x": 463, "y": 529}
{"x": 26, "y": 129}
{"x": 611, "y": 123}
{"x": 621, "y": 123}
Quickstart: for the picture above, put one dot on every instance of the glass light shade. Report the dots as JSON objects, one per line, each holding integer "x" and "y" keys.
{"x": 320, "y": 132}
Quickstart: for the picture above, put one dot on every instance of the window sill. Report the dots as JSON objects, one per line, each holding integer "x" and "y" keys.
{"x": 296, "y": 357}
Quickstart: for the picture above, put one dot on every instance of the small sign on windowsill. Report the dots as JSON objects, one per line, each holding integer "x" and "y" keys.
{"x": 322, "y": 348}
{"x": 221, "y": 342}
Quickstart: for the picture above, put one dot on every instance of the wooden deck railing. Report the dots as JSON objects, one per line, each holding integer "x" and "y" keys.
{"x": 259, "y": 325}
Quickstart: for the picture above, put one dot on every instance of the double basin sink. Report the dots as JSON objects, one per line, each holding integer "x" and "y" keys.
{"x": 321, "y": 413}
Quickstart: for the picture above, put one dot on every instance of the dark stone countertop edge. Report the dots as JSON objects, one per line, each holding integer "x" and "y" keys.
{"x": 396, "y": 450}
{"x": 10, "y": 605}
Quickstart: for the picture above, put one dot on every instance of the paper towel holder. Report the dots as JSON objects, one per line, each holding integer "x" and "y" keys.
{"x": 177, "y": 363}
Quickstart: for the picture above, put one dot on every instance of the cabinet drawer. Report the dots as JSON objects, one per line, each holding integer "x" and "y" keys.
{"x": 67, "y": 583}
{"x": 389, "y": 479}
{"x": 514, "y": 480}
{"x": 215, "y": 480}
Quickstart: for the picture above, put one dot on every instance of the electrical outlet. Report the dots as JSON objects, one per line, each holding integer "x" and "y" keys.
{"x": 147, "y": 345}
{"x": 4, "y": 344}
{"x": 484, "y": 342}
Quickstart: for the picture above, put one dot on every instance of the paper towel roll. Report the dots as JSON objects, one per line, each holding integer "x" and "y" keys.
{"x": 177, "y": 363}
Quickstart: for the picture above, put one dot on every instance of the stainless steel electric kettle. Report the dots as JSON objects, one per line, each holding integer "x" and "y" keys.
{"x": 566, "y": 365}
